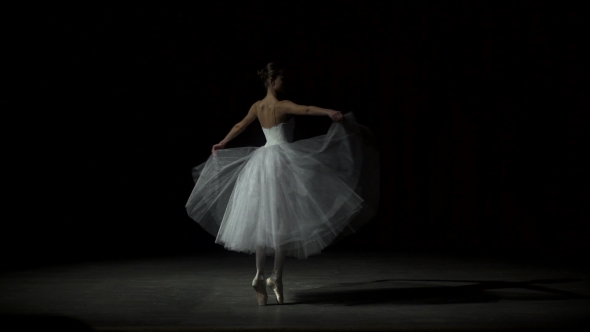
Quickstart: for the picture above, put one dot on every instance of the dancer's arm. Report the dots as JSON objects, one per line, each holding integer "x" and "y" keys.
{"x": 238, "y": 128}
{"x": 291, "y": 108}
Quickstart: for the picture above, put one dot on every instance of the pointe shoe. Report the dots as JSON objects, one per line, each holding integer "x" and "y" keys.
{"x": 277, "y": 288}
{"x": 260, "y": 289}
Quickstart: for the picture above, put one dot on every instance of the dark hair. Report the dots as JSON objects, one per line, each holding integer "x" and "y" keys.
{"x": 271, "y": 71}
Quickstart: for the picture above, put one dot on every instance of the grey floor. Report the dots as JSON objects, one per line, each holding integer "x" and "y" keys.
{"x": 332, "y": 291}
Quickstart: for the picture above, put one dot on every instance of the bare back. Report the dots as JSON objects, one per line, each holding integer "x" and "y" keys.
{"x": 270, "y": 115}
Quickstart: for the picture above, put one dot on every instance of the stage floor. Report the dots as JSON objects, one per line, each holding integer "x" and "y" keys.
{"x": 337, "y": 290}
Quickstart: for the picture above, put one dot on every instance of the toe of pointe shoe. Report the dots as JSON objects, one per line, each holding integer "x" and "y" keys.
{"x": 277, "y": 288}
{"x": 261, "y": 295}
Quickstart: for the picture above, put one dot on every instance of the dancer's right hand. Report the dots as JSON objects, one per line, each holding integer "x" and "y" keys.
{"x": 335, "y": 116}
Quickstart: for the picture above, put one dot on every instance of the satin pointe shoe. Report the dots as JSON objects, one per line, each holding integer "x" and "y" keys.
{"x": 260, "y": 289}
{"x": 277, "y": 288}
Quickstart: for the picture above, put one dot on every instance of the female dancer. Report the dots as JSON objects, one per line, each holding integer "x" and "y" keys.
{"x": 285, "y": 198}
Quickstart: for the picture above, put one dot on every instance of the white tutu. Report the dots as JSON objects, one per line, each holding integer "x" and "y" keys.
{"x": 294, "y": 195}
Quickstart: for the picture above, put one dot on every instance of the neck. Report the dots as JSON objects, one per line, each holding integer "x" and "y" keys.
{"x": 272, "y": 94}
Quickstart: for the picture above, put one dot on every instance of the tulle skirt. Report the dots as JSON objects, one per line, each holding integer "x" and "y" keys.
{"x": 296, "y": 197}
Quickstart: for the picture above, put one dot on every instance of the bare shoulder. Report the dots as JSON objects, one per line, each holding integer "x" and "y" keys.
{"x": 255, "y": 107}
{"x": 289, "y": 107}
{"x": 285, "y": 103}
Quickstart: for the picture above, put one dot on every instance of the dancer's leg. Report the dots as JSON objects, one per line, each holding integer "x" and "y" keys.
{"x": 275, "y": 282}
{"x": 277, "y": 272}
{"x": 258, "y": 282}
{"x": 260, "y": 260}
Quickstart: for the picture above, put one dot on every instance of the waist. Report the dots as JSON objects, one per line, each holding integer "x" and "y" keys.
{"x": 268, "y": 143}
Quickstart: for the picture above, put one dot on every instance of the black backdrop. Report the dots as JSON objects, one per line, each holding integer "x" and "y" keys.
{"x": 478, "y": 108}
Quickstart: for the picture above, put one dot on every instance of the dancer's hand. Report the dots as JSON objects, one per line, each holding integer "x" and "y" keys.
{"x": 335, "y": 116}
{"x": 216, "y": 147}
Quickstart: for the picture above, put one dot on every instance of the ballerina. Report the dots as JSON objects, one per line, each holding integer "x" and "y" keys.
{"x": 285, "y": 198}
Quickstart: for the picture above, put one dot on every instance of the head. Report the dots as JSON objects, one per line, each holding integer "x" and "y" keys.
{"x": 273, "y": 76}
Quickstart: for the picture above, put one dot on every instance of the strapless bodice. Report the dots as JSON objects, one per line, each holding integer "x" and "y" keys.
{"x": 281, "y": 133}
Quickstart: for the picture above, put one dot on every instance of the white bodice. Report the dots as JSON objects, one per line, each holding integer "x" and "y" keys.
{"x": 281, "y": 133}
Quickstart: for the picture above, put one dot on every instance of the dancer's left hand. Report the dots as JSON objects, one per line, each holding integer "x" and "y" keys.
{"x": 216, "y": 147}
{"x": 336, "y": 116}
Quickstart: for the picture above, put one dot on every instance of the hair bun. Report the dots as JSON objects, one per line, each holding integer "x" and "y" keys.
{"x": 262, "y": 74}
{"x": 271, "y": 71}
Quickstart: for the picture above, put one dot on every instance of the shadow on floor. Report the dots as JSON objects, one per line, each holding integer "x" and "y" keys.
{"x": 375, "y": 292}
{"x": 30, "y": 323}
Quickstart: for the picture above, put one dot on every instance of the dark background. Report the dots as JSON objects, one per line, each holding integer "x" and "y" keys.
{"x": 478, "y": 108}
